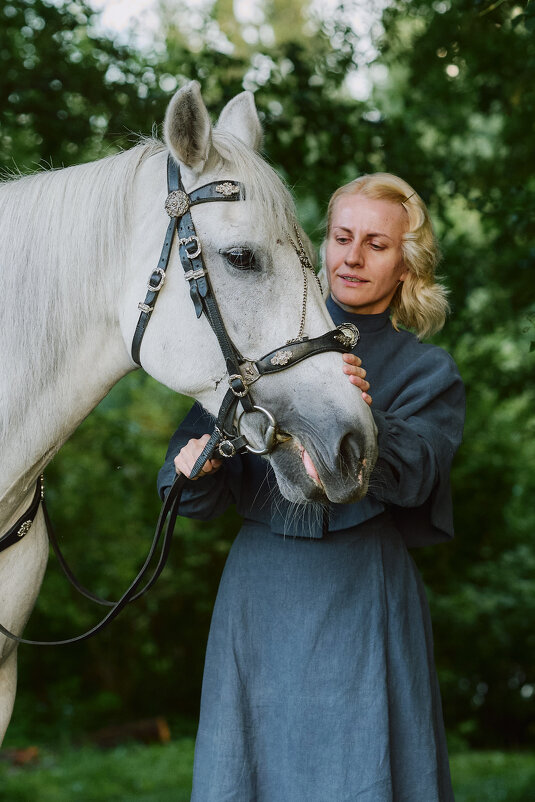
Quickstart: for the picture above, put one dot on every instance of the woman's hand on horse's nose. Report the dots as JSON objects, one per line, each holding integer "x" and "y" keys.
{"x": 188, "y": 455}
{"x": 352, "y": 368}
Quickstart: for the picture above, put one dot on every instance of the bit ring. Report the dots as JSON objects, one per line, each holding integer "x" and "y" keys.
{"x": 270, "y": 438}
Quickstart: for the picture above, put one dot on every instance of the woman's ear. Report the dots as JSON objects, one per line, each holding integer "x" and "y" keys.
{"x": 403, "y": 275}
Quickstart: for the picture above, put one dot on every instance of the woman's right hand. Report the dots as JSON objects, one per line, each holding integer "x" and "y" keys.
{"x": 188, "y": 455}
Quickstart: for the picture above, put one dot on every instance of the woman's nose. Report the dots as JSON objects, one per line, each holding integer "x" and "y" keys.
{"x": 354, "y": 255}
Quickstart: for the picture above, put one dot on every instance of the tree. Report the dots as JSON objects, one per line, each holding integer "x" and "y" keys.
{"x": 67, "y": 95}
{"x": 455, "y": 120}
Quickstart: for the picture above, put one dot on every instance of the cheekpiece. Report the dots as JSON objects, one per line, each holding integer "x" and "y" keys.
{"x": 347, "y": 334}
{"x": 177, "y": 203}
{"x": 227, "y": 189}
{"x": 281, "y": 358}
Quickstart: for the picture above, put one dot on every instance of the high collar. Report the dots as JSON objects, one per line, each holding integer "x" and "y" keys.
{"x": 365, "y": 323}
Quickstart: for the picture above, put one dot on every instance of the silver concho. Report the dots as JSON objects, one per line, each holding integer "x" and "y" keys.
{"x": 347, "y": 334}
{"x": 177, "y": 203}
{"x": 281, "y": 358}
{"x": 24, "y": 528}
{"x": 227, "y": 189}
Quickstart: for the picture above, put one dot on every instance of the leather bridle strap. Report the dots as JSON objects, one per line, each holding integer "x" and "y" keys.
{"x": 22, "y": 526}
{"x": 169, "y": 511}
{"x": 177, "y": 206}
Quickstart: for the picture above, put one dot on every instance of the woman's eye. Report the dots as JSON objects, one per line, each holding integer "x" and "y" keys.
{"x": 240, "y": 257}
{"x": 342, "y": 240}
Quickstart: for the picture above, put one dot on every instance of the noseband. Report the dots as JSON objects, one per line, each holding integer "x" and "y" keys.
{"x": 227, "y": 438}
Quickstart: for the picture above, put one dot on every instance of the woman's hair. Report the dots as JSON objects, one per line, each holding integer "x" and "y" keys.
{"x": 420, "y": 302}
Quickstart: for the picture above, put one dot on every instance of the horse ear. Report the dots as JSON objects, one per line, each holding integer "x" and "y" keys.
{"x": 240, "y": 118}
{"x": 187, "y": 128}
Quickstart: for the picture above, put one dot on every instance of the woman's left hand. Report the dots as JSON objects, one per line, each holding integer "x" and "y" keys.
{"x": 357, "y": 374}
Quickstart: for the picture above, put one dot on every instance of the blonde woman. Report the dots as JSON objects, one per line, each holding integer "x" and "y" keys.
{"x": 319, "y": 681}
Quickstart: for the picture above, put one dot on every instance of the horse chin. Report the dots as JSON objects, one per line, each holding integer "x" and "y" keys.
{"x": 305, "y": 478}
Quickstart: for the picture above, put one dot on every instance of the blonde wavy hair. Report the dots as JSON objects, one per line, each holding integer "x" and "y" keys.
{"x": 420, "y": 302}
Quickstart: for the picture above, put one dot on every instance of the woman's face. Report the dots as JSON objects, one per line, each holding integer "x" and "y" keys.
{"x": 363, "y": 256}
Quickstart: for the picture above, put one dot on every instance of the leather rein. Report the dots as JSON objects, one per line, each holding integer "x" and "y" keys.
{"x": 226, "y": 440}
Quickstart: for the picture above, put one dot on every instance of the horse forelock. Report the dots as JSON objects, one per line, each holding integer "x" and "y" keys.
{"x": 272, "y": 203}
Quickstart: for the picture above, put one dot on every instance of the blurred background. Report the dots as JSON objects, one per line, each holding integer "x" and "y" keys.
{"x": 441, "y": 93}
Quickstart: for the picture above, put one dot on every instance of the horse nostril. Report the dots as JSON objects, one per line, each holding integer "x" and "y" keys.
{"x": 352, "y": 447}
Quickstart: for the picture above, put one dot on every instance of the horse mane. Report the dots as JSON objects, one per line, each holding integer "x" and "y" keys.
{"x": 55, "y": 223}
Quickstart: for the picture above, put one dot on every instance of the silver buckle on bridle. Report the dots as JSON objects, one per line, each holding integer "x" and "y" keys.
{"x": 186, "y": 240}
{"x": 160, "y": 284}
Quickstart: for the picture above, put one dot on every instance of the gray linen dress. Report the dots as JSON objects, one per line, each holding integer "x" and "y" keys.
{"x": 319, "y": 682}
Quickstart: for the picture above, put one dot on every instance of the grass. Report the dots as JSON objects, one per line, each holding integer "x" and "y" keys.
{"x": 493, "y": 776}
{"x": 133, "y": 772}
{"x": 163, "y": 774}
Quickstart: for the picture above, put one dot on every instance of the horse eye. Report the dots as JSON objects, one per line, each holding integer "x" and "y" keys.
{"x": 242, "y": 258}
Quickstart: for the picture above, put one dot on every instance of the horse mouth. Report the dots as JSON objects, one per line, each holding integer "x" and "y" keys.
{"x": 309, "y": 466}
{"x": 283, "y": 437}
{"x": 301, "y": 477}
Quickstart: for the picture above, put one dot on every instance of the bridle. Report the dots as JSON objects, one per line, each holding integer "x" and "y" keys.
{"x": 227, "y": 438}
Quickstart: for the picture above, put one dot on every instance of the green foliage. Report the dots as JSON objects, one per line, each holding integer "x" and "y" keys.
{"x": 66, "y": 94}
{"x": 493, "y": 776}
{"x": 455, "y": 121}
{"x": 144, "y": 773}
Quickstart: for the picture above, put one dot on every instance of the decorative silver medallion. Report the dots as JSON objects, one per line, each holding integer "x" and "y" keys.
{"x": 227, "y": 189}
{"x": 281, "y": 358}
{"x": 177, "y": 203}
{"x": 24, "y": 528}
{"x": 347, "y": 334}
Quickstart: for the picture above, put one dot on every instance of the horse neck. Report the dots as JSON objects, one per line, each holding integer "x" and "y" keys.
{"x": 56, "y": 370}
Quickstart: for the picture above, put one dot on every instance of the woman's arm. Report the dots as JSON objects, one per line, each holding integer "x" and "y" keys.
{"x": 218, "y": 488}
{"x": 419, "y": 433}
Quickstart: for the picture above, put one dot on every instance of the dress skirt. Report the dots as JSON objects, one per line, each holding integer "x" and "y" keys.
{"x": 319, "y": 682}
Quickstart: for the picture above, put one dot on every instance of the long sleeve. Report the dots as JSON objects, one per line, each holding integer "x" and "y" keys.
{"x": 420, "y": 433}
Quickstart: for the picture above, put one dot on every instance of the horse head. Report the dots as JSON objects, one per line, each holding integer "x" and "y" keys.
{"x": 328, "y": 448}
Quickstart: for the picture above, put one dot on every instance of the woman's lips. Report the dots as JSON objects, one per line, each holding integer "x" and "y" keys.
{"x": 354, "y": 279}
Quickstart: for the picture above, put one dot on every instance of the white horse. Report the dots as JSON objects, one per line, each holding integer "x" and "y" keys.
{"x": 76, "y": 248}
